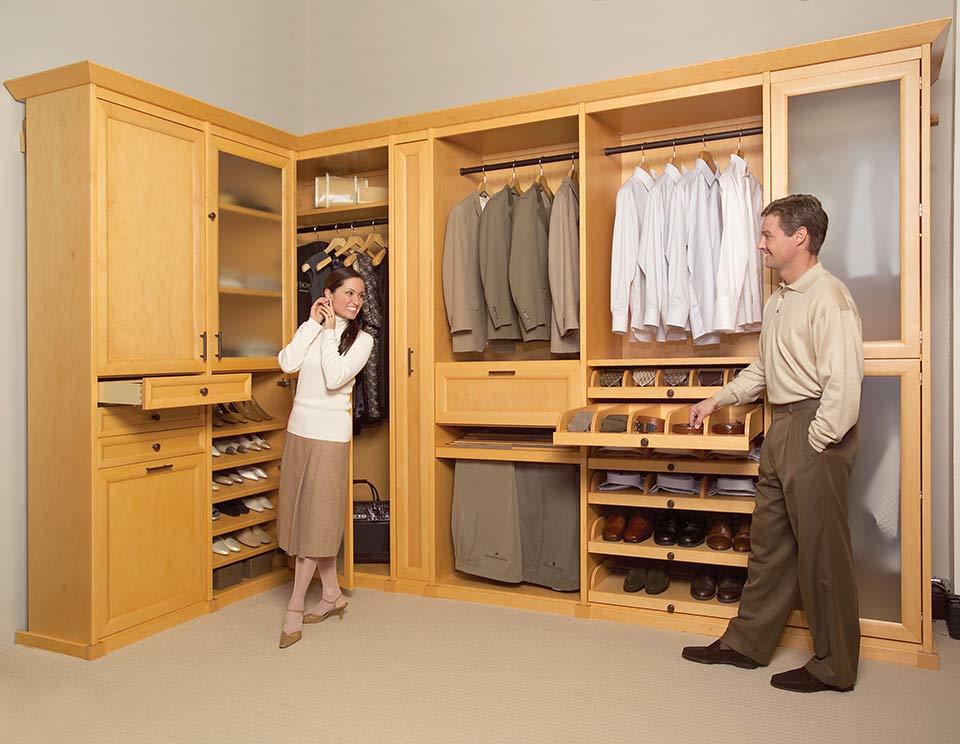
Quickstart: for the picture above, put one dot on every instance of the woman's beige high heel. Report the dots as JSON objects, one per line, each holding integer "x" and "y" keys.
{"x": 311, "y": 618}
{"x": 288, "y": 639}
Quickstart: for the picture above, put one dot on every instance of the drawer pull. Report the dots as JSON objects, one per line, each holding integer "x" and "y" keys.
{"x": 158, "y": 468}
{"x": 409, "y": 361}
{"x": 671, "y": 467}
{"x": 501, "y": 372}
{"x": 671, "y": 608}
{"x": 219, "y": 345}
{"x": 204, "y": 391}
{"x": 156, "y": 446}
{"x": 671, "y": 504}
{"x": 644, "y": 442}
{"x": 155, "y": 417}
{"x": 203, "y": 354}
{"x": 670, "y": 393}
{"x": 212, "y": 216}
{"x": 670, "y": 556}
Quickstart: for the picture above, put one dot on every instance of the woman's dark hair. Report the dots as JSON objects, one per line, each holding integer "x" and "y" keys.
{"x": 336, "y": 278}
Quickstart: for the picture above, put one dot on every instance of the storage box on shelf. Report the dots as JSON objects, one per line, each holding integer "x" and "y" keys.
{"x": 369, "y": 164}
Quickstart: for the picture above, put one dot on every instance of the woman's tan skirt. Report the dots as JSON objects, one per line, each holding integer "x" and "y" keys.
{"x": 313, "y": 496}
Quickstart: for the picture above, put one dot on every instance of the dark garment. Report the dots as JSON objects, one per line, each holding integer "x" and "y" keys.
{"x": 548, "y": 498}
{"x": 799, "y": 534}
{"x": 310, "y": 254}
{"x": 383, "y": 284}
{"x": 374, "y": 319}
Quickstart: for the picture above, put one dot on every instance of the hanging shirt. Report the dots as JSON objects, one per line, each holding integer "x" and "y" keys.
{"x": 563, "y": 267}
{"x": 739, "y": 305}
{"x": 626, "y": 271}
{"x": 496, "y": 228}
{"x": 693, "y": 254}
{"x": 653, "y": 258}
{"x": 462, "y": 288}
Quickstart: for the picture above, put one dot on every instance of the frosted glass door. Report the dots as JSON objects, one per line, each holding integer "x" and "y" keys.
{"x": 852, "y": 139}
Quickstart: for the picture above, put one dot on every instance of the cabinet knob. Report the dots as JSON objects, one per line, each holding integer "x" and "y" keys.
{"x": 204, "y": 391}
{"x": 671, "y": 467}
{"x": 671, "y": 608}
{"x": 670, "y": 393}
{"x": 671, "y": 503}
{"x": 644, "y": 442}
{"x": 212, "y": 216}
{"x": 670, "y": 556}
{"x": 156, "y": 446}
{"x": 155, "y": 417}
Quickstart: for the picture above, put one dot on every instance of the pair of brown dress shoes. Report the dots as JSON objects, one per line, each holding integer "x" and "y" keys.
{"x": 638, "y": 528}
{"x": 240, "y": 412}
{"x": 725, "y": 584}
{"x": 724, "y": 533}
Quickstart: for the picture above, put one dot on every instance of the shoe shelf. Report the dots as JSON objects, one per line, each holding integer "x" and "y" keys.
{"x": 232, "y": 462}
{"x": 690, "y": 389}
{"x": 606, "y": 587}
{"x": 249, "y": 587}
{"x": 261, "y": 214}
{"x": 649, "y": 549}
{"x": 660, "y": 500}
{"x": 253, "y": 427}
{"x": 219, "y": 561}
{"x": 692, "y": 465}
{"x": 228, "y": 524}
{"x": 247, "y": 488}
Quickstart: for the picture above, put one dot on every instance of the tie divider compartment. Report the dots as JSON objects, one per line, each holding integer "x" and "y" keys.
{"x": 606, "y": 587}
{"x": 645, "y": 497}
{"x": 669, "y": 382}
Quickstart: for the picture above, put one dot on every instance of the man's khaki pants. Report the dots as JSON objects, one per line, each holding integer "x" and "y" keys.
{"x": 800, "y": 536}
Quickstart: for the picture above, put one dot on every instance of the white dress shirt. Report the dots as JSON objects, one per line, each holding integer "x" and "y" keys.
{"x": 693, "y": 254}
{"x": 626, "y": 274}
{"x": 653, "y": 258}
{"x": 739, "y": 305}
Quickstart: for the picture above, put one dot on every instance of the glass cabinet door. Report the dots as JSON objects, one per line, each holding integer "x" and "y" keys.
{"x": 250, "y": 231}
{"x": 851, "y": 137}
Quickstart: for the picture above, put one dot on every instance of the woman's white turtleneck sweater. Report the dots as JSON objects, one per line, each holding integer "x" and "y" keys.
{"x": 321, "y": 408}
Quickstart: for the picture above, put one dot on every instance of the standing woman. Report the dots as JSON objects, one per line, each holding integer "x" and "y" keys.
{"x": 329, "y": 350}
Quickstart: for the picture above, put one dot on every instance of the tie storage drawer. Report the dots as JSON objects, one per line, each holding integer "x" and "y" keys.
{"x": 115, "y": 420}
{"x": 659, "y": 425}
{"x": 505, "y": 393}
{"x": 128, "y": 449}
{"x": 661, "y": 381}
{"x": 152, "y": 393}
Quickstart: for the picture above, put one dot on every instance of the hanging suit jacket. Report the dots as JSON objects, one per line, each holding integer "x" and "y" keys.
{"x": 529, "y": 280}
{"x": 563, "y": 267}
{"x": 485, "y": 522}
{"x": 496, "y": 227}
{"x": 549, "y": 506}
{"x": 462, "y": 289}
{"x": 374, "y": 320}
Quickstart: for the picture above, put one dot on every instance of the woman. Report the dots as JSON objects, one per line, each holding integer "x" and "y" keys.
{"x": 329, "y": 350}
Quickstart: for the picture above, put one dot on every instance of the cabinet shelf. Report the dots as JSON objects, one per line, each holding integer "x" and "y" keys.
{"x": 242, "y": 490}
{"x": 248, "y": 587}
{"x": 231, "y": 524}
{"x": 609, "y": 590}
{"x": 254, "y": 427}
{"x": 262, "y": 214}
{"x": 233, "y": 462}
{"x": 219, "y": 561}
{"x": 246, "y": 292}
{"x": 343, "y": 213}
{"x": 649, "y": 549}
{"x": 634, "y": 498}
{"x": 680, "y": 464}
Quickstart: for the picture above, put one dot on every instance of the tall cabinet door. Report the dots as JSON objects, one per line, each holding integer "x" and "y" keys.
{"x": 249, "y": 226}
{"x": 849, "y": 133}
{"x": 150, "y": 547}
{"x": 150, "y": 244}
{"x": 409, "y": 282}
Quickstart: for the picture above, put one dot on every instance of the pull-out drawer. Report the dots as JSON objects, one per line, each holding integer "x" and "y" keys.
{"x": 592, "y": 418}
{"x": 115, "y": 420}
{"x": 676, "y": 382}
{"x": 505, "y": 393}
{"x": 151, "y": 393}
{"x": 133, "y": 448}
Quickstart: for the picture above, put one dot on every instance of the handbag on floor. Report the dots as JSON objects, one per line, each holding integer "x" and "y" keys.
{"x": 371, "y": 528}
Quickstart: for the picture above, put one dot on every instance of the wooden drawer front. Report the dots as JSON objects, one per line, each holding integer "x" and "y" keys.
{"x": 131, "y": 448}
{"x": 114, "y": 420}
{"x": 505, "y": 393}
{"x": 151, "y": 393}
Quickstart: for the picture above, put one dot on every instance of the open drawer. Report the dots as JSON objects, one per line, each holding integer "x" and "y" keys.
{"x": 505, "y": 393}
{"x": 173, "y": 392}
{"x": 594, "y": 418}
{"x": 659, "y": 382}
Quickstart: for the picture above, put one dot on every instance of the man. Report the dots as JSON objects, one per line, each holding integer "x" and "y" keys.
{"x": 811, "y": 365}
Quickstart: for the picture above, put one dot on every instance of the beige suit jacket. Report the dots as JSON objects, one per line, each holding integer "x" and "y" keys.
{"x": 529, "y": 284}
{"x": 496, "y": 225}
{"x": 462, "y": 288}
{"x": 564, "y": 269}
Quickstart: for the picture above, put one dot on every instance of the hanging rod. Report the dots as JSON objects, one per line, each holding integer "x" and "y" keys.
{"x": 692, "y": 140}
{"x": 344, "y": 225}
{"x": 519, "y": 163}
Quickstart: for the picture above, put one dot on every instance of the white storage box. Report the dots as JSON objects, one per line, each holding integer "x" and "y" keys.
{"x": 367, "y": 194}
{"x": 330, "y": 191}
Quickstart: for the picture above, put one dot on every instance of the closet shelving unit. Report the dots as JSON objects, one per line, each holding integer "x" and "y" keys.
{"x": 159, "y": 250}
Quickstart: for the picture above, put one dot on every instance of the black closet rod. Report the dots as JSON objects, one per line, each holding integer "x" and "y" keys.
{"x": 344, "y": 225}
{"x": 519, "y": 163}
{"x": 692, "y": 140}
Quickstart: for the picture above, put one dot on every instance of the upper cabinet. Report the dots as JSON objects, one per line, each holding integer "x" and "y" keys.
{"x": 849, "y": 132}
{"x": 149, "y": 236}
{"x": 247, "y": 195}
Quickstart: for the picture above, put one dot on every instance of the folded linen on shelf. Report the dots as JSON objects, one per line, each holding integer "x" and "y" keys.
{"x": 753, "y": 455}
{"x": 673, "y": 483}
{"x": 615, "y": 480}
{"x": 728, "y": 485}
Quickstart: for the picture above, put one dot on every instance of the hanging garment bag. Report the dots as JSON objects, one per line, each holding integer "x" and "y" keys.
{"x": 371, "y": 528}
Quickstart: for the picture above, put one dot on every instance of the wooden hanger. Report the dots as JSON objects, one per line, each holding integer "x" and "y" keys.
{"x": 542, "y": 182}
{"x": 482, "y": 188}
{"x": 572, "y": 173}
{"x": 705, "y": 155}
{"x": 513, "y": 184}
{"x": 353, "y": 241}
{"x": 336, "y": 243}
{"x": 378, "y": 259}
{"x": 374, "y": 240}
{"x": 739, "y": 152}
{"x": 673, "y": 158}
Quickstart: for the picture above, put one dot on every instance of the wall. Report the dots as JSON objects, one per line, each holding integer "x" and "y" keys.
{"x": 244, "y": 55}
{"x": 475, "y": 50}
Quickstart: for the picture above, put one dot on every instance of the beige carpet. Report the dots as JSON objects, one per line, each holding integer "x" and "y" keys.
{"x": 411, "y": 669}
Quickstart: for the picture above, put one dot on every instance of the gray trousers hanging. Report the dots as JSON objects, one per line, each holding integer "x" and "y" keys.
{"x": 549, "y": 505}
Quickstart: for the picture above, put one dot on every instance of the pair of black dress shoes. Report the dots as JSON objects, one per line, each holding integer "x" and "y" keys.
{"x": 233, "y": 508}
{"x": 685, "y": 530}
{"x": 649, "y": 575}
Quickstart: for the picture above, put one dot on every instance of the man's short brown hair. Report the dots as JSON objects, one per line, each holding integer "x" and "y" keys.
{"x": 801, "y": 210}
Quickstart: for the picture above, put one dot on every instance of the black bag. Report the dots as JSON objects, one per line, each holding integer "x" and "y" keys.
{"x": 371, "y": 528}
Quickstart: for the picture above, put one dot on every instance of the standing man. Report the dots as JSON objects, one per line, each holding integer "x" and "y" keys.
{"x": 811, "y": 364}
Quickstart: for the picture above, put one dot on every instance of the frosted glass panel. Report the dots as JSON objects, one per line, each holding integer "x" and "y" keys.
{"x": 844, "y": 148}
{"x": 873, "y": 503}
